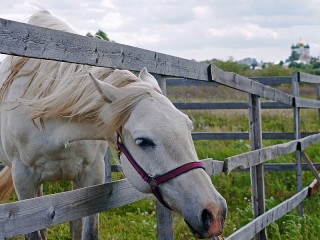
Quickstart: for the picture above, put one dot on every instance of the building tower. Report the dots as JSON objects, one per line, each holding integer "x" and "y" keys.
{"x": 302, "y": 50}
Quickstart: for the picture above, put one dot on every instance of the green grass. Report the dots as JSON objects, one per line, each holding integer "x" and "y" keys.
{"x": 138, "y": 221}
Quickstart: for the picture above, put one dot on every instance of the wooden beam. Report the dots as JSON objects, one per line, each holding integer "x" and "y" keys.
{"x": 261, "y": 222}
{"x": 212, "y": 167}
{"x": 307, "y": 141}
{"x": 228, "y": 105}
{"x": 27, "y": 216}
{"x": 309, "y": 78}
{"x": 37, "y": 42}
{"x": 247, "y": 85}
{"x": 245, "y": 136}
{"x": 307, "y": 103}
{"x": 258, "y": 156}
{"x": 190, "y": 82}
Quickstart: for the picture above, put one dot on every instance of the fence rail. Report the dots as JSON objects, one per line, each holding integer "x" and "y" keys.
{"x": 31, "y": 41}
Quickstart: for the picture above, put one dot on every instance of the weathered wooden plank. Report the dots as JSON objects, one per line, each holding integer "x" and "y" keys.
{"x": 32, "y": 41}
{"x": 273, "y": 167}
{"x": 228, "y": 105}
{"x": 244, "y": 135}
{"x": 108, "y": 166}
{"x": 259, "y": 156}
{"x": 164, "y": 222}
{"x": 211, "y": 105}
{"x": 261, "y": 222}
{"x": 220, "y": 136}
{"x": 307, "y": 103}
{"x": 253, "y": 158}
{"x": 30, "y": 215}
{"x": 272, "y": 80}
{"x": 256, "y": 172}
{"x": 249, "y": 86}
{"x": 190, "y": 82}
{"x": 309, "y": 78}
{"x": 306, "y": 141}
{"x": 213, "y": 167}
{"x": 297, "y": 135}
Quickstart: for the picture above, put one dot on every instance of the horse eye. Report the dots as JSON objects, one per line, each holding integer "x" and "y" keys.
{"x": 145, "y": 143}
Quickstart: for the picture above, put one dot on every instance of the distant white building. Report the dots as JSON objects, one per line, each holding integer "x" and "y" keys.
{"x": 302, "y": 50}
{"x": 251, "y": 62}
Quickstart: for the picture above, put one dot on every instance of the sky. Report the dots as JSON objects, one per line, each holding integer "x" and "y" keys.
{"x": 191, "y": 29}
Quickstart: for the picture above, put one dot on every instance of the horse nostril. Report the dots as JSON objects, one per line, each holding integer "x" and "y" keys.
{"x": 206, "y": 218}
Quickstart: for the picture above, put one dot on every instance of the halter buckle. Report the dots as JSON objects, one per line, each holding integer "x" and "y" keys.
{"x": 152, "y": 181}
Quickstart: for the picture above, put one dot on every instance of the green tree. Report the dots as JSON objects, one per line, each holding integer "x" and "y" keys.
{"x": 294, "y": 56}
{"x": 230, "y": 66}
{"x": 99, "y": 34}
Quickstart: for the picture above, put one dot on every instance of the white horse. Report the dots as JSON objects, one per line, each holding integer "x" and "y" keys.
{"x": 55, "y": 121}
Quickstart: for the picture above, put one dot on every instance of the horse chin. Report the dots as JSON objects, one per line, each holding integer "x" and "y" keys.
{"x": 194, "y": 232}
{"x": 201, "y": 236}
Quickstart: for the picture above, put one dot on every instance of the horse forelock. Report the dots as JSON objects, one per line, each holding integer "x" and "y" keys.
{"x": 43, "y": 18}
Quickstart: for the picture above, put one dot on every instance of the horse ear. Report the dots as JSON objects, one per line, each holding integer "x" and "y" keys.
{"x": 109, "y": 93}
{"x": 147, "y": 77}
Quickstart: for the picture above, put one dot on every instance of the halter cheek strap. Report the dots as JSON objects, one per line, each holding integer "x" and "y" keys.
{"x": 155, "y": 181}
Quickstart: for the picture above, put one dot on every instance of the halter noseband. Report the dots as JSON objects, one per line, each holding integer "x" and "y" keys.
{"x": 155, "y": 181}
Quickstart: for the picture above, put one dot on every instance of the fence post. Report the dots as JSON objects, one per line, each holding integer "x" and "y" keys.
{"x": 318, "y": 98}
{"x": 107, "y": 177}
{"x": 297, "y": 135}
{"x": 257, "y": 172}
{"x": 164, "y": 215}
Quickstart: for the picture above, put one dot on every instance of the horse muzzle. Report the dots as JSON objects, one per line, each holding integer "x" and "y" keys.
{"x": 210, "y": 224}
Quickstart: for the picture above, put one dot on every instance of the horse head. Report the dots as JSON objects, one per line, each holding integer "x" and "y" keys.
{"x": 157, "y": 136}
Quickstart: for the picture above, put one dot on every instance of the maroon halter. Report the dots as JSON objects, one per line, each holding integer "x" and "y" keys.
{"x": 155, "y": 181}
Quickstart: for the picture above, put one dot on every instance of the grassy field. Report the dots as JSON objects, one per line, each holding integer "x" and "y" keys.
{"x": 137, "y": 221}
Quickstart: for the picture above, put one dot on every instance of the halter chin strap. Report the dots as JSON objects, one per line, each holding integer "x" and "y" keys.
{"x": 155, "y": 181}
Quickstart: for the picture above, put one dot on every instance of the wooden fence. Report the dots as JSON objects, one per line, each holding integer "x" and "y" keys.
{"x": 31, "y": 41}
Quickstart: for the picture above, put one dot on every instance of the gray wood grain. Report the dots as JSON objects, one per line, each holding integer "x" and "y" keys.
{"x": 255, "y": 157}
{"x": 257, "y": 171}
{"x": 249, "y": 230}
{"x": 307, "y": 103}
{"x": 297, "y": 134}
{"x": 190, "y": 82}
{"x": 249, "y": 86}
{"x": 309, "y": 78}
{"x": 26, "y": 216}
{"x": 212, "y": 167}
{"x": 37, "y": 42}
{"x": 259, "y": 156}
{"x": 245, "y": 135}
{"x": 227, "y": 105}
{"x": 307, "y": 141}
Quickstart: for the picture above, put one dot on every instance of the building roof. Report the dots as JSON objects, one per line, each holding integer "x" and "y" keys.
{"x": 300, "y": 43}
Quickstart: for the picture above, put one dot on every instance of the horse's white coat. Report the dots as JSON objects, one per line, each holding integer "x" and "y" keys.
{"x": 53, "y": 119}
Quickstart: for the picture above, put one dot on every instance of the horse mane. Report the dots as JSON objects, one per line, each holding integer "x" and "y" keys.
{"x": 65, "y": 89}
